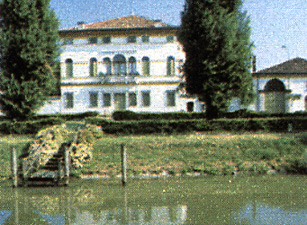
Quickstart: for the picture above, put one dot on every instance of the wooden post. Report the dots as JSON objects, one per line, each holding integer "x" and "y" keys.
{"x": 16, "y": 207}
{"x": 124, "y": 164}
{"x": 14, "y": 168}
{"x": 24, "y": 175}
{"x": 66, "y": 166}
{"x": 59, "y": 172}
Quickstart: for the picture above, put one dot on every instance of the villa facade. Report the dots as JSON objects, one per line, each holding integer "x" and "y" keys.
{"x": 130, "y": 63}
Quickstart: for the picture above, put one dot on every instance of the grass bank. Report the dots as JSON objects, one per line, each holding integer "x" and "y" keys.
{"x": 216, "y": 154}
{"x": 201, "y": 153}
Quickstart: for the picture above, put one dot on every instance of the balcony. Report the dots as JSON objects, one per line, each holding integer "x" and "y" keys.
{"x": 118, "y": 79}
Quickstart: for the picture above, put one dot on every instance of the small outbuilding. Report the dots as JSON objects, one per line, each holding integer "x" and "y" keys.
{"x": 281, "y": 88}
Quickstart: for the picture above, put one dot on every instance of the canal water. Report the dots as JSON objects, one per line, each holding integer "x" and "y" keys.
{"x": 190, "y": 200}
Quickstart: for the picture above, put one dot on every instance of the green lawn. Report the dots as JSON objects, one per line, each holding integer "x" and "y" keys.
{"x": 206, "y": 153}
{"x": 182, "y": 154}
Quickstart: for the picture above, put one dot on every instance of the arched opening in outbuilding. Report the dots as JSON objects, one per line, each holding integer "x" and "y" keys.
{"x": 275, "y": 96}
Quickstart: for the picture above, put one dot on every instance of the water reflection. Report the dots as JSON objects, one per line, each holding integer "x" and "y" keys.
{"x": 171, "y": 201}
{"x": 4, "y": 215}
{"x": 255, "y": 213}
{"x": 75, "y": 206}
{"x": 155, "y": 215}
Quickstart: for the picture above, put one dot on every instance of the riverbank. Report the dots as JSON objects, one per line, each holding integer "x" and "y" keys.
{"x": 197, "y": 154}
{"x": 191, "y": 154}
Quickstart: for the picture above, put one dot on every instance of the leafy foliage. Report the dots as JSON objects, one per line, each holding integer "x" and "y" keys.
{"x": 215, "y": 37}
{"x": 29, "y": 48}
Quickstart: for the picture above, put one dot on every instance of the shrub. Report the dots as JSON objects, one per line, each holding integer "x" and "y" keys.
{"x": 241, "y": 167}
{"x": 263, "y": 154}
{"x": 212, "y": 171}
{"x": 228, "y": 170}
{"x": 259, "y": 168}
{"x": 298, "y": 165}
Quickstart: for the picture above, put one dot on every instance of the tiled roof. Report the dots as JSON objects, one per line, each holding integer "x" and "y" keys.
{"x": 124, "y": 23}
{"x": 296, "y": 65}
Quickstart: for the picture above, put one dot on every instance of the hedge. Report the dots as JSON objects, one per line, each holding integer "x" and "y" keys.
{"x": 185, "y": 126}
{"x": 76, "y": 116}
{"x": 167, "y": 126}
{"x": 39, "y": 122}
{"x": 129, "y": 115}
{"x": 28, "y": 127}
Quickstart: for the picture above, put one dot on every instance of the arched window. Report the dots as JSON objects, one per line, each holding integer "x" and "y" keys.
{"x": 93, "y": 67}
{"x": 146, "y": 66}
{"x": 119, "y": 65}
{"x": 107, "y": 66}
{"x": 132, "y": 66}
{"x": 69, "y": 68}
{"x": 170, "y": 70}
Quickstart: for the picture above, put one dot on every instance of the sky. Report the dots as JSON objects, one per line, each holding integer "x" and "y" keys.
{"x": 279, "y": 27}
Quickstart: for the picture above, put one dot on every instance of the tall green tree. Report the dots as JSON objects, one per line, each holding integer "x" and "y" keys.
{"x": 29, "y": 49}
{"x": 215, "y": 35}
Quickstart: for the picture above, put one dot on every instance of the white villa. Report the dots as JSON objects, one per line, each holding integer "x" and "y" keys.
{"x": 130, "y": 63}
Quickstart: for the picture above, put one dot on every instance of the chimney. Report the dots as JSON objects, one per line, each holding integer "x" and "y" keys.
{"x": 157, "y": 23}
{"x": 81, "y": 25}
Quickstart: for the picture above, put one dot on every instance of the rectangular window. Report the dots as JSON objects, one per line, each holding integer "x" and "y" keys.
{"x": 132, "y": 99}
{"x": 146, "y": 99}
{"x": 170, "y": 98}
{"x": 68, "y": 41}
{"x": 170, "y": 39}
{"x": 146, "y": 66}
{"x": 93, "y": 99}
{"x": 69, "y": 100}
{"x": 170, "y": 66}
{"x": 131, "y": 39}
{"x": 145, "y": 39}
{"x": 106, "y": 40}
{"x": 106, "y": 99}
{"x": 93, "y": 40}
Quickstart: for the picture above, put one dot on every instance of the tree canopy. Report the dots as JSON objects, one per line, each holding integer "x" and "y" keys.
{"x": 215, "y": 35}
{"x": 29, "y": 48}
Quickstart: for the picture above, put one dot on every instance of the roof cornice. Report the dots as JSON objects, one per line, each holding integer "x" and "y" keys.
{"x": 279, "y": 73}
{"x": 65, "y": 31}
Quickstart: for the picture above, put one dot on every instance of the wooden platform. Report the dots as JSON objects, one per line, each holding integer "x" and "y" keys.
{"x": 55, "y": 172}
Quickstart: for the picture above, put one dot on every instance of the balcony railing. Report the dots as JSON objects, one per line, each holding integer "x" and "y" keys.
{"x": 118, "y": 79}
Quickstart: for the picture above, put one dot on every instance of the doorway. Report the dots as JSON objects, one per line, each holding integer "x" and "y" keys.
{"x": 120, "y": 101}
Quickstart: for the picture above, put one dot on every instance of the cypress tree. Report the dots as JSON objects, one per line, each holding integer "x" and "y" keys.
{"x": 215, "y": 35}
{"x": 29, "y": 49}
